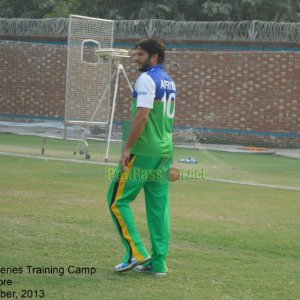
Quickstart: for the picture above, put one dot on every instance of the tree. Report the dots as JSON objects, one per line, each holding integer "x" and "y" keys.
{"x": 26, "y": 9}
{"x": 216, "y": 11}
{"x": 188, "y": 10}
{"x": 280, "y": 10}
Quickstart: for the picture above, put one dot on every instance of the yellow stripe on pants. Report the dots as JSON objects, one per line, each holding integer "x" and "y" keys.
{"x": 118, "y": 215}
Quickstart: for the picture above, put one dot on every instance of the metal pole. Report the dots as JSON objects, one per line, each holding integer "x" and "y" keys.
{"x": 119, "y": 67}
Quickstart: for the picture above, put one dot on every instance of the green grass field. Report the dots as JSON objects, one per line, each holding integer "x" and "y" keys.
{"x": 244, "y": 167}
{"x": 228, "y": 241}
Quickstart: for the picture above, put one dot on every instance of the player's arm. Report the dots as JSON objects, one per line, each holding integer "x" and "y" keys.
{"x": 137, "y": 128}
{"x": 145, "y": 87}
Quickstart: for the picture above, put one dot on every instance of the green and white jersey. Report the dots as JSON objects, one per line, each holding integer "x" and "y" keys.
{"x": 155, "y": 89}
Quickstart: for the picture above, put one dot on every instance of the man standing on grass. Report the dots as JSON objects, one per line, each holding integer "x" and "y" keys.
{"x": 148, "y": 150}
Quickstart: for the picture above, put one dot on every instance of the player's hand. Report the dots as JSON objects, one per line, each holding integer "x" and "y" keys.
{"x": 124, "y": 159}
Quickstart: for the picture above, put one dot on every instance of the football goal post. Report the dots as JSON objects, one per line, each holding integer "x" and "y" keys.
{"x": 88, "y": 79}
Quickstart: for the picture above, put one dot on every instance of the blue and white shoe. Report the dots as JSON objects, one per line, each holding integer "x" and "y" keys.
{"x": 124, "y": 267}
{"x": 148, "y": 270}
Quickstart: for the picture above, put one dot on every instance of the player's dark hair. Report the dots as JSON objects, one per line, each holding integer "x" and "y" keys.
{"x": 153, "y": 46}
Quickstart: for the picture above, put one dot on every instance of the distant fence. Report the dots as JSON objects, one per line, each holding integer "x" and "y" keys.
{"x": 248, "y": 97}
{"x": 170, "y": 30}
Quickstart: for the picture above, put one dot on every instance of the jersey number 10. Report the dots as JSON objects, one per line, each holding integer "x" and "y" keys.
{"x": 168, "y": 105}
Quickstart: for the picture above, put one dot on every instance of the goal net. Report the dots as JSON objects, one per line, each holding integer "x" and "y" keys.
{"x": 245, "y": 98}
{"x": 238, "y": 107}
{"x": 88, "y": 76}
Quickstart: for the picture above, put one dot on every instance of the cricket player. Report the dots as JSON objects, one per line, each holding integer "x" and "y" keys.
{"x": 144, "y": 163}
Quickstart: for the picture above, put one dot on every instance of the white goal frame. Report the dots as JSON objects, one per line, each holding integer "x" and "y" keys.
{"x": 107, "y": 59}
{"x": 77, "y": 109}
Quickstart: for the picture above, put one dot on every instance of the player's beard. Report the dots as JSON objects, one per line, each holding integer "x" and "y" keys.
{"x": 145, "y": 65}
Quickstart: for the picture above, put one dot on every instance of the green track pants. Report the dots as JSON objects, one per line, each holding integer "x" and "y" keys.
{"x": 147, "y": 173}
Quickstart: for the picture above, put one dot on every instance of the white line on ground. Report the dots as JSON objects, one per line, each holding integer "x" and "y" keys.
{"x": 102, "y": 163}
{"x": 45, "y": 158}
{"x": 273, "y": 186}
